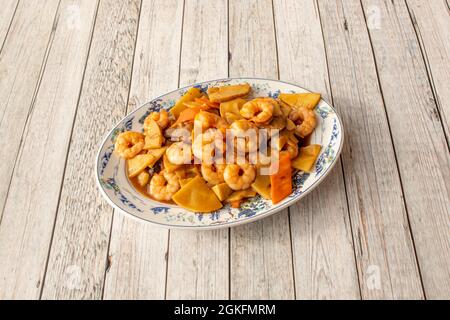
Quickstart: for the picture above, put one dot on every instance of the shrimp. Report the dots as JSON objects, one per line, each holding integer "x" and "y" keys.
{"x": 239, "y": 177}
{"x": 242, "y": 125}
{"x": 292, "y": 148}
{"x": 213, "y": 173}
{"x": 305, "y": 120}
{"x": 179, "y": 153}
{"x": 163, "y": 186}
{"x": 246, "y": 134}
{"x": 259, "y": 110}
{"x": 209, "y": 146}
{"x": 161, "y": 118}
{"x": 207, "y": 120}
{"x": 129, "y": 144}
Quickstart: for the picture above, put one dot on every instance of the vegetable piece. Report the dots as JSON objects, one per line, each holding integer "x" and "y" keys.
{"x": 283, "y": 138}
{"x": 222, "y": 191}
{"x": 278, "y": 122}
{"x": 205, "y": 101}
{"x": 181, "y": 174}
{"x": 192, "y": 171}
{"x": 307, "y": 100}
{"x": 169, "y": 166}
{"x": 143, "y": 178}
{"x": 190, "y": 95}
{"x": 294, "y": 139}
{"x": 233, "y": 106}
{"x": 187, "y": 115}
{"x": 236, "y": 204}
{"x": 277, "y": 110}
{"x": 197, "y": 196}
{"x": 290, "y": 125}
{"x": 232, "y": 117}
{"x": 281, "y": 182}
{"x": 227, "y": 93}
{"x": 187, "y": 171}
{"x": 184, "y": 182}
{"x": 307, "y": 157}
{"x": 262, "y": 186}
{"x": 153, "y": 136}
{"x": 285, "y": 108}
{"x": 157, "y": 153}
{"x": 138, "y": 164}
{"x": 196, "y": 105}
{"x": 240, "y": 195}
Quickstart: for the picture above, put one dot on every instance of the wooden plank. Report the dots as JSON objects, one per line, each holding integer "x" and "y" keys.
{"x": 419, "y": 139}
{"x": 32, "y": 201}
{"x": 384, "y": 249}
{"x": 432, "y": 25}
{"x": 198, "y": 261}
{"x": 78, "y": 255}
{"x": 21, "y": 61}
{"x": 138, "y": 250}
{"x": 6, "y": 16}
{"x": 324, "y": 260}
{"x": 261, "y": 255}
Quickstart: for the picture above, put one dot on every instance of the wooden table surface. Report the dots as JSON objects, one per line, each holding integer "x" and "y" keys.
{"x": 377, "y": 228}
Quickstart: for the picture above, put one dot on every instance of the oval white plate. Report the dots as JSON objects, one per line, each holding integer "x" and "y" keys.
{"x": 118, "y": 191}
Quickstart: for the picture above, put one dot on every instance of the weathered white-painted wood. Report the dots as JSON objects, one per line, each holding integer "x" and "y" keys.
{"x": 432, "y": 25}
{"x": 30, "y": 209}
{"x": 138, "y": 250}
{"x": 6, "y": 16}
{"x": 419, "y": 139}
{"x": 198, "y": 260}
{"x": 261, "y": 255}
{"x": 384, "y": 248}
{"x": 78, "y": 255}
{"x": 323, "y": 254}
{"x": 21, "y": 60}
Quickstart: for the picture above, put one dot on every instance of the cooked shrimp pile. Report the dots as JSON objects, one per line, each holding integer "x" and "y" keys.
{"x": 221, "y": 147}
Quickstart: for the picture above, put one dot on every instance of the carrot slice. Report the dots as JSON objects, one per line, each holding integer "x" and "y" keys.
{"x": 236, "y": 204}
{"x": 187, "y": 115}
{"x": 281, "y": 182}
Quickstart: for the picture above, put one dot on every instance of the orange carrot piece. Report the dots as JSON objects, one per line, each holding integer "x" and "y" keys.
{"x": 281, "y": 182}
{"x": 236, "y": 204}
{"x": 187, "y": 115}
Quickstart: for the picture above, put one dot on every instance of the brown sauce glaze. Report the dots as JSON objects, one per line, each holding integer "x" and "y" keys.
{"x": 143, "y": 190}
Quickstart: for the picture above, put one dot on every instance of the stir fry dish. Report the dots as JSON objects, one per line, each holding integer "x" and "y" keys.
{"x": 220, "y": 147}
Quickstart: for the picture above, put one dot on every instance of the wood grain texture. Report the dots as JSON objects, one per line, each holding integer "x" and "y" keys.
{"x": 78, "y": 256}
{"x": 138, "y": 250}
{"x": 419, "y": 139}
{"x": 198, "y": 260}
{"x": 21, "y": 61}
{"x": 6, "y": 16}
{"x": 34, "y": 193}
{"x": 324, "y": 260}
{"x": 388, "y": 81}
{"x": 261, "y": 256}
{"x": 431, "y": 21}
{"x": 384, "y": 248}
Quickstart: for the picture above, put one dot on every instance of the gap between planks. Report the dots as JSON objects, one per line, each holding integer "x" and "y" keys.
{"x": 6, "y": 18}
{"x": 35, "y": 260}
